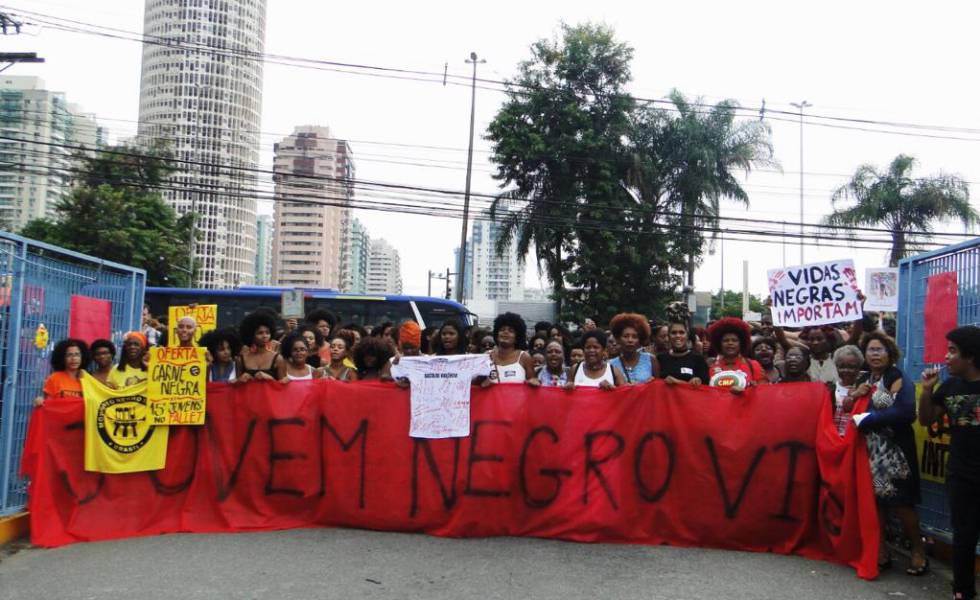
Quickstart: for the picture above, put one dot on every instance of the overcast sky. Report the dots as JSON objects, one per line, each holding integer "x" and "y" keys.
{"x": 885, "y": 61}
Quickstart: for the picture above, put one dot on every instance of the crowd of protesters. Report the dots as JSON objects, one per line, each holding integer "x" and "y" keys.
{"x": 854, "y": 360}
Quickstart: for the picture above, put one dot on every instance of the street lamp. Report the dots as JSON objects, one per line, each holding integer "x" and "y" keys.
{"x": 801, "y": 106}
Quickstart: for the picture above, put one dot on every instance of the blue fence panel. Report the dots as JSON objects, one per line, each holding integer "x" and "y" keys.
{"x": 37, "y": 282}
{"x": 964, "y": 260}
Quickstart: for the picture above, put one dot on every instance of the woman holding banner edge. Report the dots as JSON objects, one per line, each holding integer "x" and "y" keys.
{"x": 887, "y": 427}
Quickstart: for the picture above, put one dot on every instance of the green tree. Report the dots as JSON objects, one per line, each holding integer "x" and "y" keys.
{"x": 559, "y": 144}
{"x": 907, "y": 208}
{"x": 733, "y": 305}
{"x": 707, "y": 147}
{"x": 115, "y": 211}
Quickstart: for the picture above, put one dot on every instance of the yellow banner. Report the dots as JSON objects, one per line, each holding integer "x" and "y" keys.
{"x": 206, "y": 316}
{"x": 932, "y": 446}
{"x": 119, "y": 437}
{"x": 177, "y": 385}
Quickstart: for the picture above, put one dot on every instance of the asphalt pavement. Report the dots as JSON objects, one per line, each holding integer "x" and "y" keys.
{"x": 341, "y": 563}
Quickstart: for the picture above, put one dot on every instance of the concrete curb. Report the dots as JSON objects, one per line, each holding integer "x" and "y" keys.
{"x": 14, "y": 527}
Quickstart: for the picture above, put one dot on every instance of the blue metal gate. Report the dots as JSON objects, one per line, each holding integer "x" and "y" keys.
{"x": 37, "y": 282}
{"x": 964, "y": 259}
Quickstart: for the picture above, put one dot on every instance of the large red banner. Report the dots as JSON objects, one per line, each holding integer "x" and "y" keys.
{"x": 763, "y": 471}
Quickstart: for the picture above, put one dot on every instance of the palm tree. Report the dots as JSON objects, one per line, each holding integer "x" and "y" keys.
{"x": 905, "y": 207}
{"x": 703, "y": 147}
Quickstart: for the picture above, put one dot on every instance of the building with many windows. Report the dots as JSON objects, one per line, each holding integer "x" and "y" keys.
{"x": 384, "y": 273}
{"x": 207, "y": 106}
{"x": 490, "y": 276}
{"x": 314, "y": 175}
{"x": 356, "y": 255}
{"x": 263, "y": 250}
{"x": 39, "y": 168}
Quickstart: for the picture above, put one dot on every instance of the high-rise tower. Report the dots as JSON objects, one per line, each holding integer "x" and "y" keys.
{"x": 201, "y": 92}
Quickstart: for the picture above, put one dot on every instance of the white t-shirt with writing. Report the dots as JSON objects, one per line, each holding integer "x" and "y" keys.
{"x": 441, "y": 392}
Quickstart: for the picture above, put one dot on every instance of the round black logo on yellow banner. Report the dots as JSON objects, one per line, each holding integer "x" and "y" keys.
{"x": 123, "y": 424}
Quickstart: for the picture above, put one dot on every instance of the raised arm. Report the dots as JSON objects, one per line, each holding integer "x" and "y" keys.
{"x": 929, "y": 413}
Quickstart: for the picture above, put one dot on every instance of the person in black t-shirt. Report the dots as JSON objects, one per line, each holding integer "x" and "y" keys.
{"x": 680, "y": 364}
{"x": 959, "y": 399}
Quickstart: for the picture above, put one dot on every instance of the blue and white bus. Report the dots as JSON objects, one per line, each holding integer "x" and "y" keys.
{"x": 349, "y": 308}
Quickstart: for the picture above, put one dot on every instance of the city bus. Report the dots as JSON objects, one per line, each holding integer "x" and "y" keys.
{"x": 234, "y": 304}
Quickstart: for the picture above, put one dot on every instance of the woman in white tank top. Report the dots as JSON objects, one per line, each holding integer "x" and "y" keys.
{"x": 510, "y": 363}
{"x": 297, "y": 368}
{"x": 595, "y": 371}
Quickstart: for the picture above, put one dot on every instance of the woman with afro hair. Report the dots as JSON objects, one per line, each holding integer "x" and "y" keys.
{"x": 223, "y": 346}
{"x": 511, "y": 363}
{"x": 632, "y": 333}
{"x": 259, "y": 359}
{"x": 731, "y": 339}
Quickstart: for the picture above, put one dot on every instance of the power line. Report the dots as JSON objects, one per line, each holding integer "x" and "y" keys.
{"x": 438, "y": 77}
{"x": 453, "y": 211}
{"x": 289, "y": 179}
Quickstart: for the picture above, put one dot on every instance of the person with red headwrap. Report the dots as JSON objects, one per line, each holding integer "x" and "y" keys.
{"x": 409, "y": 344}
{"x": 132, "y": 364}
{"x": 732, "y": 338}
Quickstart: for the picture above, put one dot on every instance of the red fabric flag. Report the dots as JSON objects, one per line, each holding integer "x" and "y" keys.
{"x": 90, "y": 319}
{"x": 764, "y": 470}
{"x": 940, "y": 315}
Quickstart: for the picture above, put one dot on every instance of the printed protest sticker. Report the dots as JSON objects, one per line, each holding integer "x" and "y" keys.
{"x": 206, "y": 316}
{"x": 814, "y": 294}
{"x": 881, "y": 288}
{"x": 177, "y": 385}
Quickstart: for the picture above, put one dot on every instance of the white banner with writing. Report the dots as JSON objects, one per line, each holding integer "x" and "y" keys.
{"x": 814, "y": 294}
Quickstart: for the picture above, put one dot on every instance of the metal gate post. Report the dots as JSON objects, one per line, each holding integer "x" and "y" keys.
{"x": 10, "y": 404}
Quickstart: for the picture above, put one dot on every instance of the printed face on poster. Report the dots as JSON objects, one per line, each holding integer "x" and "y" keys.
{"x": 177, "y": 385}
{"x": 881, "y": 288}
{"x": 292, "y": 304}
{"x": 814, "y": 294}
{"x": 206, "y": 316}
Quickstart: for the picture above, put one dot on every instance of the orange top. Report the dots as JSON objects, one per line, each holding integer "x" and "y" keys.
{"x": 62, "y": 385}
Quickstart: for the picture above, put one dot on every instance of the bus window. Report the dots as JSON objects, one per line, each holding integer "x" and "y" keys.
{"x": 435, "y": 313}
{"x": 395, "y": 312}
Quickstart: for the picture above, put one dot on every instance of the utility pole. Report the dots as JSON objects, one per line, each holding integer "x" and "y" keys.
{"x": 801, "y": 106}
{"x": 461, "y": 270}
{"x": 429, "y": 294}
{"x": 745, "y": 288}
{"x": 11, "y": 58}
{"x": 722, "y": 294}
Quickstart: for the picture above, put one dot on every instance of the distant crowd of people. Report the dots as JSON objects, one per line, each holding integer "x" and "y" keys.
{"x": 853, "y": 360}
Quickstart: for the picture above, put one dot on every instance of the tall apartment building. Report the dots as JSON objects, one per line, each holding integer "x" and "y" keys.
{"x": 207, "y": 105}
{"x": 356, "y": 254}
{"x": 263, "y": 250}
{"x": 36, "y": 173}
{"x": 384, "y": 274}
{"x": 314, "y": 175}
{"x": 494, "y": 277}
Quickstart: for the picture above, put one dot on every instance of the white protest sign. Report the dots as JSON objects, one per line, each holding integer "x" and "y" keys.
{"x": 814, "y": 294}
{"x": 881, "y": 288}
